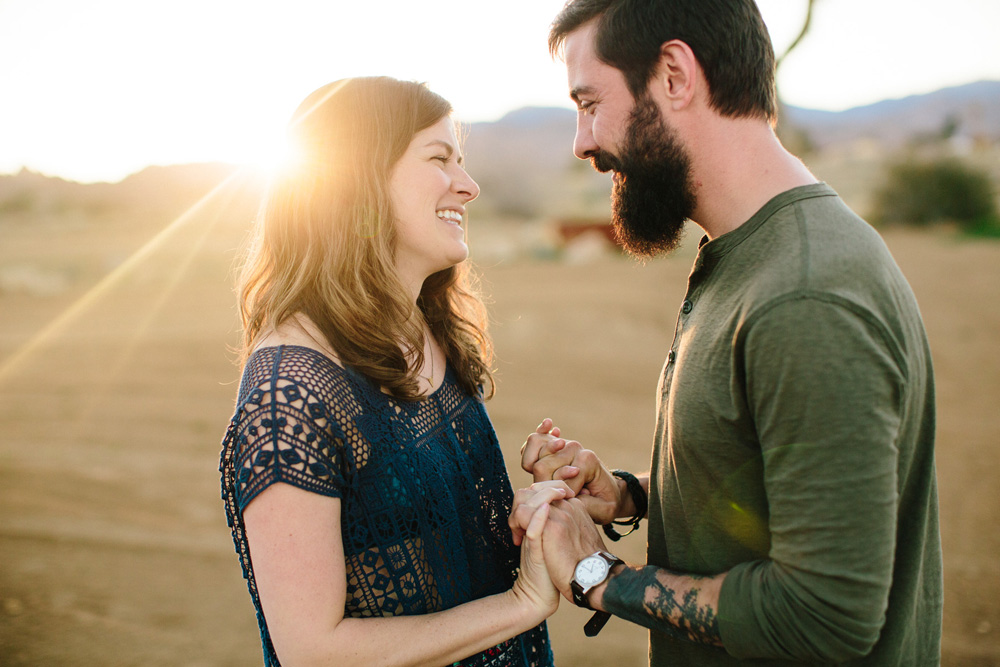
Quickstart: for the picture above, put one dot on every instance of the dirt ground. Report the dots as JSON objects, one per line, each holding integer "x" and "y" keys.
{"x": 113, "y": 543}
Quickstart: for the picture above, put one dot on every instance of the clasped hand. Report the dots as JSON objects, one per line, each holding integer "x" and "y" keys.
{"x": 572, "y": 491}
{"x": 549, "y": 457}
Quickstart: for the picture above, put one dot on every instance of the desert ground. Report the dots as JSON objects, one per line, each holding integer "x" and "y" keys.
{"x": 117, "y": 380}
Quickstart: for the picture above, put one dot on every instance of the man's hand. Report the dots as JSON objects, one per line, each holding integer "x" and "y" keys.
{"x": 569, "y": 536}
{"x": 549, "y": 457}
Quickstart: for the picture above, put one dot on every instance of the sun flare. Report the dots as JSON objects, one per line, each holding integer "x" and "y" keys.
{"x": 270, "y": 156}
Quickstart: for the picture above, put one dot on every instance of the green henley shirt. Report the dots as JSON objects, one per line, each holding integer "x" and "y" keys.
{"x": 794, "y": 446}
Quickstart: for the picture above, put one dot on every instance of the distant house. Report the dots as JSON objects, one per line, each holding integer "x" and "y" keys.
{"x": 570, "y": 230}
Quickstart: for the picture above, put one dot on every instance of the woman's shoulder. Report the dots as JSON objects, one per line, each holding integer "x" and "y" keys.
{"x": 273, "y": 368}
{"x": 295, "y": 346}
{"x": 296, "y": 332}
{"x": 293, "y": 386}
{"x": 289, "y": 360}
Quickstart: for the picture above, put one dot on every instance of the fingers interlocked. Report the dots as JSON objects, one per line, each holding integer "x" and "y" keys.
{"x": 528, "y": 501}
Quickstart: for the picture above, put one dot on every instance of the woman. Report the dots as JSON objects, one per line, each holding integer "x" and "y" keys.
{"x": 362, "y": 478}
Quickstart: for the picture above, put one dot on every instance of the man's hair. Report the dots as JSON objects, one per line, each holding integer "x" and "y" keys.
{"x": 728, "y": 37}
{"x": 324, "y": 242}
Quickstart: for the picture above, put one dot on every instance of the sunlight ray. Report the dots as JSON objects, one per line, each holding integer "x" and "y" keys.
{"x": 318, "y": 103}
{"x": 102, "y": 386}
{"x": 94, "y": 294}
{"x": 22, "y": 354}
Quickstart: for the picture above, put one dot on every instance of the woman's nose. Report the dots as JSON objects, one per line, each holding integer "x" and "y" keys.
{"x": 466, "y": 186}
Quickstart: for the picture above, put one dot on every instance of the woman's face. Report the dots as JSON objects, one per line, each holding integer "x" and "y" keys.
{"x": 429, "y": 190}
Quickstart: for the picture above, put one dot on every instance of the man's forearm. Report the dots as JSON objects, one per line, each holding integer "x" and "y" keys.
{"x": 680, "y": 605}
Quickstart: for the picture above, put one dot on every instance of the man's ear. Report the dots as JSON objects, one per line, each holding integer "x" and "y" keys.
{"x": 677, "y": 74}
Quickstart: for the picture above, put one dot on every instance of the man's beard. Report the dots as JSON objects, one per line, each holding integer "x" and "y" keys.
{"x": 652, "y": 194}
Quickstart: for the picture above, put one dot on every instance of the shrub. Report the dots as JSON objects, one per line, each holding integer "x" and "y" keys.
{"x": 20, "y": 202}
{"x": 929, "y": 191}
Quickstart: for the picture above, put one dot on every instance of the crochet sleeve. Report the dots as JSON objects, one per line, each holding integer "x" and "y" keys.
{"x": 285, "y": 432}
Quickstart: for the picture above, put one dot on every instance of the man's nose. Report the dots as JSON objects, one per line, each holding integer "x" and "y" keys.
{"x": 584, "y": 146}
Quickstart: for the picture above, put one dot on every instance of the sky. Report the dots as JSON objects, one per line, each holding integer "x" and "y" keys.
{"x": 95, "y": 90}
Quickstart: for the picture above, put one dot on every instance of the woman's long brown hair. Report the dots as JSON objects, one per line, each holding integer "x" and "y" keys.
{"x": 324, "y": 243}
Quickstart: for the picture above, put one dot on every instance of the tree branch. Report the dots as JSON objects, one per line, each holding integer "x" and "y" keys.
{"x": 802, "y": 33}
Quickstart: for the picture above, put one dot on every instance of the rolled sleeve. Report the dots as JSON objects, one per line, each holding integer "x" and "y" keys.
{"x": 824, "y": 385}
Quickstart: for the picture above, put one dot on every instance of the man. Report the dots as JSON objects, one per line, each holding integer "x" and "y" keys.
{"x": 792, "y": 497}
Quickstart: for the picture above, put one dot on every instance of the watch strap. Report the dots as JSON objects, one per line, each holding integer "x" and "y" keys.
{"x": 579, "y": 598}
{"x": 596, "y": 623}
{"x": 600, "y": 618}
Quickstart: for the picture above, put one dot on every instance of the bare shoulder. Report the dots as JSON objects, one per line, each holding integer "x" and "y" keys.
{"x": 297, "y": 330}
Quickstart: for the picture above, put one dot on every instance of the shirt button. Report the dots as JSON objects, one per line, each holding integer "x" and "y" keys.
{"x": 686, "y": 307}
{"x": 671, "y": 355}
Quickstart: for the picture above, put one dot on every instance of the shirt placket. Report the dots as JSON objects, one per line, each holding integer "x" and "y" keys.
{"x": 698, "y": 275}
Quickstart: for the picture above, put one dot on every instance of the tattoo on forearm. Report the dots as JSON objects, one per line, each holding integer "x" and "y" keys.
{"x": 639, "y": 595}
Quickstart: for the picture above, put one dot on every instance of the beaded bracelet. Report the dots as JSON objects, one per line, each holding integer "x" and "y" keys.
{"x": 639, "y": 499}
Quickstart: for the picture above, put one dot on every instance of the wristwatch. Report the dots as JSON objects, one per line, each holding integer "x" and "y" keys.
{"x": 592, "y": 571}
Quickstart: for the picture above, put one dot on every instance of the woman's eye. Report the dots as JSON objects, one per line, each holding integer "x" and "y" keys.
{"x": 443, "y": 158}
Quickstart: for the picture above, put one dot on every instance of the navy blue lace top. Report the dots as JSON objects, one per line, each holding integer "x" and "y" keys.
{"x": 424, "y": 492}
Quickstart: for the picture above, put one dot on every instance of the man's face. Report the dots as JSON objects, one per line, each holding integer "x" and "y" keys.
{"x": 652, "y": 194}
{"x": 603, "y": 99}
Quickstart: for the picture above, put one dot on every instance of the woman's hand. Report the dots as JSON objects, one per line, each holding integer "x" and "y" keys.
{"x": 529, "y": 500}
{"x": 533, "y": 585}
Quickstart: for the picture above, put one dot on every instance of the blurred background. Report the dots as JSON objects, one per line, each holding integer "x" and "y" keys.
{"x": 135, "y": 139}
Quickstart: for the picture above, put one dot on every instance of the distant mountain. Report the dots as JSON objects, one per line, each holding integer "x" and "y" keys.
{"x": 972, "y": 111}
{"x": 516, "y": 158}
{"x": 524, "y": 161}
{"x": 525, "y": 166}
{"x": 153, "y": 191}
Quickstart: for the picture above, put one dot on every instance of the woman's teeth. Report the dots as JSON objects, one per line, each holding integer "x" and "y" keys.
{"x": 453, "y": 216}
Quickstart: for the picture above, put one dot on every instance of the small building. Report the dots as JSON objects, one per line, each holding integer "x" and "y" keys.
{"x": 570, "y": 230}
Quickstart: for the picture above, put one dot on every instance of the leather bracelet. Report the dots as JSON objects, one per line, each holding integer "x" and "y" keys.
{"x": 639, "y": 498}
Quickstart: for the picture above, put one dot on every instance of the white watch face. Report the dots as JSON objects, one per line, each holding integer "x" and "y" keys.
{"x": 591, "y": 571}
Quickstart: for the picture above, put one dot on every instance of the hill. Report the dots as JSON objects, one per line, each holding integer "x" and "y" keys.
{"x": 970, "y": 112}
{"x": 525, "y": 166}
{"x": 524, "y": 163}
{"x": 153, "y": 192}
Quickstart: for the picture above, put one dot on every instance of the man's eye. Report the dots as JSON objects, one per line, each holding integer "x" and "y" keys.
{"x": 587, "y": 108}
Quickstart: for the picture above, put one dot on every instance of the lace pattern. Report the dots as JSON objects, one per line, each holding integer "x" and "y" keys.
{"x": 424, "y": 492}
